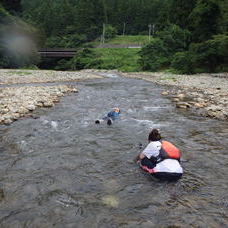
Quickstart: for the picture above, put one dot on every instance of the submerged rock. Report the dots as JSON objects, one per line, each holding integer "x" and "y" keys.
{"x": 111, "y": 201}
{"x": 183, "y": 105}
{"x": 165, "y": 93}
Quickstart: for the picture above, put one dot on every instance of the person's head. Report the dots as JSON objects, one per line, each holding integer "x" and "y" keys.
{"x": 154, "y": 135}
{"x": 116, "y": 110}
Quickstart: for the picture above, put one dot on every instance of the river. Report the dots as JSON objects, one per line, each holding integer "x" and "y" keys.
{"x": 62, "y": 170}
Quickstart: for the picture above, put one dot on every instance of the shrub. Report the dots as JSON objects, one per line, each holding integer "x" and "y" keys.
{"x": 66, "y": 41}
{"x": 84, "y": 59}
{"x": 159, "y": 53}
{"x": 182, "y": 62}
{"x": 175, "y": 39}
{"x": 208, "y": 56}
{"x": 63, "y": 64}
{"x": 110, "y": 32}
{"x": 211, "y": 55}
{"x": 154, "y": 56}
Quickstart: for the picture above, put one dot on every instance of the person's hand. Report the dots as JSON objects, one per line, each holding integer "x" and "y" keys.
{"x": 136, "y": 159}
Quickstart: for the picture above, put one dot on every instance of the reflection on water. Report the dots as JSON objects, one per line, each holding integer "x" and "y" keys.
{"x": 63, "y": 170}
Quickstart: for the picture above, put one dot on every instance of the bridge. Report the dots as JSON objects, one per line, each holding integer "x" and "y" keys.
{"x": 57, "y": 52}
{"x": 70, "y": 52}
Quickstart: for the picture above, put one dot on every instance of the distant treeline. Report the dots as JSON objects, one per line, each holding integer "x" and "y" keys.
{"x": 188, "y": 36}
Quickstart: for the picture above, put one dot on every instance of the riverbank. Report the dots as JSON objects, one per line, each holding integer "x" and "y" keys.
{"x": 20, "y": 101}
{"x": 204, "y": 94}
{"x": 9, "y": 76}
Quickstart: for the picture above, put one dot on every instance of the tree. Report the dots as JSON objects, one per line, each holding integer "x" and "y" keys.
{"x": 175, "y": 38}
{"x": 13, "y": 6}
{"x": 179, "y": 11}
{"x": 154, "y": 56}
{"x": 204, "y": 18}
{"x": 223, "y": 20}
{"x": 208, "y": 56}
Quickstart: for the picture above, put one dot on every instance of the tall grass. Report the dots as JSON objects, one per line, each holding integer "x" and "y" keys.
{"x": 123, "y": 59}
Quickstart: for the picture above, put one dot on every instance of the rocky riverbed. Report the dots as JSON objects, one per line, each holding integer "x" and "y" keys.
{"x": 19, "y": 101}
{"x": 204, "y": 94}
{"x": 8, "y": 76}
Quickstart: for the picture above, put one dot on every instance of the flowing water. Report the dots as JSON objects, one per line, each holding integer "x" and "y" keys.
{"x": 62, "y": 170}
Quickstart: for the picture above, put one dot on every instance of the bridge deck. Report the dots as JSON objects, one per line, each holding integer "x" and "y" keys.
{"x": 57, "y": 52}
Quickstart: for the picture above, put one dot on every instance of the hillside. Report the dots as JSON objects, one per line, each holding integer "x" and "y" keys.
{"x": 120, "y": 52}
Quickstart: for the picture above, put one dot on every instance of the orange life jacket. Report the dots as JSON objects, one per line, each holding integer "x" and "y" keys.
{"x": 168, "y": 150}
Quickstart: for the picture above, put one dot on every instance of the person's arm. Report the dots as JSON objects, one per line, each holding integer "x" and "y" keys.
{"x": 151, "y": 150}
{"x": 139, "y": 157}
{"x": 110, "y": 114}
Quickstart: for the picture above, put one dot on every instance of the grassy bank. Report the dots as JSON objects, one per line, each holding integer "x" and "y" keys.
{"x": 132, "y": 40}
{"x": 139, "y": 40}
{"x": 124, "y": 59}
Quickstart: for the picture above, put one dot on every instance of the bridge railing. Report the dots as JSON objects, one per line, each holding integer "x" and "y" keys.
{"x": 57, "y": 52}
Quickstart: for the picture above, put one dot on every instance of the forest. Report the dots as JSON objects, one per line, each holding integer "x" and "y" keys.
{"x": 187, "y": 36}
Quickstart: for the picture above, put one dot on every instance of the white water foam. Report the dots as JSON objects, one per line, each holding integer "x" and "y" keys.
{"x": 153, "y": 108}
{"x": 109, "y": 75}
{"x": 54, "y": 124}
{"x": 149, "y": 124}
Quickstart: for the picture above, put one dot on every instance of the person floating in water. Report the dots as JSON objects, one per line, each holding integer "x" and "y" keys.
{"x": 160, "y": 158}
{"x": 110, "y": 117}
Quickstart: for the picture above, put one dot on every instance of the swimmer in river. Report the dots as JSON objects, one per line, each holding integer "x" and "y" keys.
{"x": 110, "y": 117}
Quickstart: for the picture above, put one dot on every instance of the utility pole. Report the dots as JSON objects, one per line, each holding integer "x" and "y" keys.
{"x": 124, "y": 27}
{"x": 149, "y": 31}
{"x": 103, "y": 34}
{"x": 101, "y": 40}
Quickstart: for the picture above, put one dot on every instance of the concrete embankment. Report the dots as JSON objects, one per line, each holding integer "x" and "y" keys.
{"x": 204, "y": 94}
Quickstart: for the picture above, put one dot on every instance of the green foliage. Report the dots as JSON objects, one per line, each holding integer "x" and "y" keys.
{"x": 223, "y": 20}
{"x": 209, "y": 56}
{"x": 85, "y": 58}
{"x": 182, "y": 63}
{"x": 154, "y": 56}
{"x": 132, "y": 40}
{"x": 158, "y": 54}
{"x": 13, "y": 6}
{"x": 124, "y": 59}
{"x": 4, "y": 61}
{"x": 175, "y": 39}
{"x": 60, "y": 18}
{"x": 204, "y": 19}
{"x": 4, "y": 16}
{"x": 110, "y": 32}
{"x": 21, "y": 73}
{"x": 67, "y": 41}
{"x": 178, "y": 25}
{"x": 63, "y": 64}
{"x": 179, "y": 11}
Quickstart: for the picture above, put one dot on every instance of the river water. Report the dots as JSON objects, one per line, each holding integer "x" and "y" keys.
{"x": 62, "y": 170}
